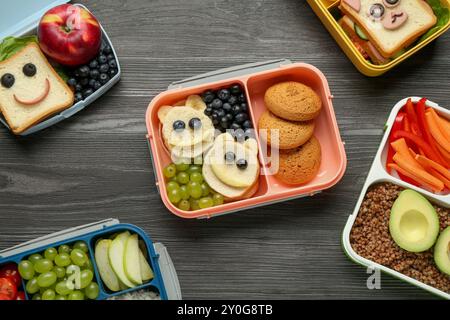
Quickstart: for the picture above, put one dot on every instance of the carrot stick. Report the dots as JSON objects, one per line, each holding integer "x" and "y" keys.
{"x": 445, "y": 154}
{"x": 440, "y": 124}
{"x": 406, "y": 125}
{"x": 435, "y": 173}
{"x": 436, "y": 133}
{"x": 420, "y": 173}
{"x": 413, "y": 177}
{"x": 402, "y": 148}
{"x": 427, "y": 162}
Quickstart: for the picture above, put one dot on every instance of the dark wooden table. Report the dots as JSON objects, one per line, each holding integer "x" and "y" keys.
{"x": 96, "y": 165}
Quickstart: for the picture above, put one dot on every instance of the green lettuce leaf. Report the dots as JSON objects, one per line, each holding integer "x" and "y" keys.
{"x": 11, "y": 45}
{"x": 442, "y": 14}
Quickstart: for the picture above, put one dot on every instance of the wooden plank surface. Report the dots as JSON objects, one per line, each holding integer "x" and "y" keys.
{"x": 96, "y": 164}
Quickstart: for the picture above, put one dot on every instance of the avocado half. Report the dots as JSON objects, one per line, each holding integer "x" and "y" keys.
{"x": 442, "y": 251}
{"x": 414, "y": 223}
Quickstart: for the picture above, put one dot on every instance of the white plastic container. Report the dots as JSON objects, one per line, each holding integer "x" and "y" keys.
{"x": 378, "y": 174}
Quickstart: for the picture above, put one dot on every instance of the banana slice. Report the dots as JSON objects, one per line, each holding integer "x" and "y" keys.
{"x": 162, "y": 112}
{"x": 196, "y": 102}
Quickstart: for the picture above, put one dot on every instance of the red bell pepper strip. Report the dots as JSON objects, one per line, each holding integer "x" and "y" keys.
{"x": 398, "y": 125}
{"x": 420, "y": 143}
{"x": 428, "y": 138}
{"x": 412, "y": 118}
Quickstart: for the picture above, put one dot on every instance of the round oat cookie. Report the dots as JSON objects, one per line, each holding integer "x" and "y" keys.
{"x": 293, "y": 101}
{"x": 300, "y": 165}
{"x": 292, "y": 134}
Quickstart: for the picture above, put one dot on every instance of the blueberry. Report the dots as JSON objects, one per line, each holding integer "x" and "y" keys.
{"x": 72, "y": 82}
{"x": 247, "y": 124}
{"x": 97, "y": 85}
{"x": 224, "y": 122}
{"x": 221, "y": 113}
{"x": 112, "y": 64}
{"x": 215, "y": 116}
{"x": 240, "y": 117}
{"x": 83, "y": 71}
{"x": 229, "y": 157}
{"x": 107, "y": 49}
{"x": 92, "y": 83}
{"x": 110, "y": 57}
{"x": 217, "y": 103}
{"x": 208, "y": 96}
{"x": 104, "y": 78}
{"x": 236, "y": 109}
{"x": 78, "y": 97}
{"x": 84, "y": 82}
{"x": 102, "y": 59}
{"x": 239, "y": 134}
{"x": 78, "y": 87}
{"x": 235, "y": 126}
{"x": 103, "y": 68}
{"x": 226, "y": 107}
{"x": 195, "y": 123}
{"x": 29, "y": 70}
{"x": 242, "y": 164}
{"x": 178, "y": 125}
{"x": 112, "y": 72}
{"x": 233, "y": 100}
{"x": 249, "y": 133}
{"x": 208, "y": 111}
{"x": 244, "y": 107}
{"x": 93, "y": 64}
{"x": 224, "y": 94}
{"x": 94, "y": 74}
{"x": 215, "y": 122}
{"x": 229, "y": 116}
{"x": 242, "y": 98}
{"x": 235, "y": 89}
{"x": 87, "y": 93}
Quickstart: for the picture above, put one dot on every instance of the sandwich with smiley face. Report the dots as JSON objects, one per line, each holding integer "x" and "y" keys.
{"x": 30, "y": 89}
{"x": 382, "y": 29}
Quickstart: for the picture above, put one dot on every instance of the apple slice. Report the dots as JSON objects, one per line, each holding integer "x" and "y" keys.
{"x": 146, "y": 270}
{"x": 131, "y": 259}
{"x": 116, "y": 257}
{"x": 104, "y": 268}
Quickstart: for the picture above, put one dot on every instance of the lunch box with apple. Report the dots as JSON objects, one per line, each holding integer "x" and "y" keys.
{"x": 378, "y": 35}
{"x": 401, "y": 222}
{"x": 102, "y": 260}
{"x": 55, "y": 60}
{"x": 233, "y": 104}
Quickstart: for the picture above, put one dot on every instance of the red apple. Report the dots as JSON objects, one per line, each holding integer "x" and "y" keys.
{"x": 69, "y": 35}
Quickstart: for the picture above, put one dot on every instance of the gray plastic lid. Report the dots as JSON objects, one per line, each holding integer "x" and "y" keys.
{"x": 21, "y": 16}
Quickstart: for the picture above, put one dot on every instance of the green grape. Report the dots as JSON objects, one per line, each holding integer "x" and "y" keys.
{"x": 206, "y": 202}
{"x": 62, "y": 289}
{"x": 182, "y": 177}
{"x": 170, "y": 171}
{"x": 76, "y": 295}
{"x": 82, "y": 246}
{"x": 48, "y": 294}
{"x": 88, "y": 265}
{"x": 45, "y": 280}
{"x": 50, "y": 254}
{"x": 194, "y": 168}
{"x": 86, "y": 277}
{"x": 26, "y": 269}
{"x": 172, "y": 186}
{"x": 60, "y": 297}
{"x": 173, "y": 179}
{"x": 196, "y": 177}
{"x": 175, "y": 196}
{"x": 36, "y": 296}
{"x": 59, "y": 271}
{"x": 184, "y": 205}
{"x": 62, "y": 259}
{"x": 195, "y": 189}
{"x": 64, "y": 249}
{"x": 43, "y": 265}
{"x": 194, "y": 204}
{"x": 205, "y": 189}
{"x": 78, "y": 257}
{"x": 218, "y": 199}
{"x": 34, "y": 257}
{"x": 92, "y": 291}
{"x": 184, "y": 193}
{"x": 32, "y": 286}
{"x": 182, "y": 166}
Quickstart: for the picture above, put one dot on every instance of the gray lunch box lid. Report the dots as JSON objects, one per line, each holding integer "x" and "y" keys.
{"x": 20, "y": 17}
{"x": 168, "y": 272}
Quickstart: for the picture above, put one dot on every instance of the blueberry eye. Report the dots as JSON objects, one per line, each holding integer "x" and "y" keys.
{"x": 195, "y": 123}
{"x": 377, "y": 11}
{"x": 179, "y": 125}
{"x": 29, "y": 70}
{"x": 229, "y": 157}
{"x": 391, "y": 3}
{"x": 8, "y": 80}
{"x": 242, "y": 164}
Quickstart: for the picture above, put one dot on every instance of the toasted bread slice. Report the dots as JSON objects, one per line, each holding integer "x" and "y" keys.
{"x": 31, "y": 99}
{"x": 416, "y": 18}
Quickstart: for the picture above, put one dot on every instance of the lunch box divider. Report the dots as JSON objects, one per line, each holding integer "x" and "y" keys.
{"x": 379, "y": 174}
{"x": 165, "y": 281}
{"x": 23, "y": 19}
{"x": 255, "y": 79}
